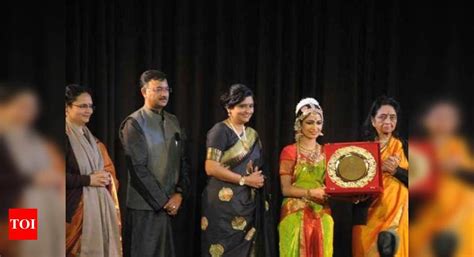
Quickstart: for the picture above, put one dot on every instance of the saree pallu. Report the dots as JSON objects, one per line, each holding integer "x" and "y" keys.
{"x": 74, "y": 229}
{"x": 388, "y": 212}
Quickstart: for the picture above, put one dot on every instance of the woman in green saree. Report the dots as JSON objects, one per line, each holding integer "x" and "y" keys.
{"x": 306, "y": 225}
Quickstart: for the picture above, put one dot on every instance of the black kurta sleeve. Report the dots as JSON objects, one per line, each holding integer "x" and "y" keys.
{"x": 136, "y": 155}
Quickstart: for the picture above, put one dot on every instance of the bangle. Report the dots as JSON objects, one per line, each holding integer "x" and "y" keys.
{"x": 242, "y": 181}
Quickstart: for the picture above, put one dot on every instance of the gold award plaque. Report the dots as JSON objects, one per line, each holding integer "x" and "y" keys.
{"x": 351, "y": 166}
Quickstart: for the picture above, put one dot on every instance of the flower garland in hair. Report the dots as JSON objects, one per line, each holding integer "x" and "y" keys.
{"x": 306, "y": 106}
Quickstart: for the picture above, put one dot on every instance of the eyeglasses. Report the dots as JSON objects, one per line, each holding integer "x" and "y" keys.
{"x": 161, "y": 89}
{"x": 383, "y": 117}
{"x": 85, "y": 106}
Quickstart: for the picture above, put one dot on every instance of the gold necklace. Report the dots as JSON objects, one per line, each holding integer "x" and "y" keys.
{"x": 244, "y": 143}
{"x": 308, "y": 149}
{"x": 312, "y": 154}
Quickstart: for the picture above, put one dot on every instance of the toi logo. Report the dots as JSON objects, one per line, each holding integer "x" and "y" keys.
{"x": 22, "y": 224}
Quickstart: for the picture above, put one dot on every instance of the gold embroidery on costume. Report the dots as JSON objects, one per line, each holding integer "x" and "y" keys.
{"x": 239, "y": 223}
{"x": 214, "y": 154}
{"x": 250, "y": 234}
{"x": 204, "y": 223}
{"x": 225, "y": 194}
{"x": 216, "y": 250}
{"x": 238, "y": 152}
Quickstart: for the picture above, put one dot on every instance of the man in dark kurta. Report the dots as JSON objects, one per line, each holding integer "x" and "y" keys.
{"x": 157, "y": 168}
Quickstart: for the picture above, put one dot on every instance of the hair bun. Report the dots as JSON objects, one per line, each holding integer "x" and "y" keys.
{"x": 236, "y": 94}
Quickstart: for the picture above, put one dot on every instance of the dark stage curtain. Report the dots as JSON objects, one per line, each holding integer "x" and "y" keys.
{"x": 343, "y": 53}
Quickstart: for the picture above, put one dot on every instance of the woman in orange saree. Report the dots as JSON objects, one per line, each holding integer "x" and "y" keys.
{"x": 389, "y": 211}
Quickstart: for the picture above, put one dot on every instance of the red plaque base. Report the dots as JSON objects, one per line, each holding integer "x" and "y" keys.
{"x": 353, "y": 168}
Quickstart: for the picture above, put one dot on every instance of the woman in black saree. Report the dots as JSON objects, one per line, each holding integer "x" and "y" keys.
{"x": 235, "y": 210}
